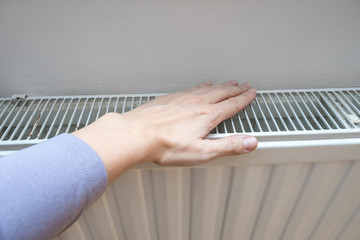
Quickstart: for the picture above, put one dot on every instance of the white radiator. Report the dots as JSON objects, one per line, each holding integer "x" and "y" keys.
{"x": 303, "y": 182}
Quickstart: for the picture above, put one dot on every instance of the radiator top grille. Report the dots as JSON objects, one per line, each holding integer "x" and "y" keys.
{"x": 278, "y": 112}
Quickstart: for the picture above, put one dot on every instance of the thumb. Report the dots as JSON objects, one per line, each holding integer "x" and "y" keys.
{"x": 232, "y": 145}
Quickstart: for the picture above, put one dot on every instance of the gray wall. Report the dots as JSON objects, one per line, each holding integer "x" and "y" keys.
{"x": 134, "y": 46}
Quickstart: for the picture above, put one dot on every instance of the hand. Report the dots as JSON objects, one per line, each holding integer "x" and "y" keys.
{"x": 171, "y": 129}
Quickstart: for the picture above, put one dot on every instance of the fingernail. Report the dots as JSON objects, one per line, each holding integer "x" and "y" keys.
{"x": 250, "y": 143}
{"x": 231, "y": 83}
{"x": 252, "y": 90}
{"x": 234, "y": 82}
{"x": 245, "y": 86}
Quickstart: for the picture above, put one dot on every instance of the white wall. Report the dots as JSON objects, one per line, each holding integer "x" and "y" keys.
{"x": 107, "y": 46}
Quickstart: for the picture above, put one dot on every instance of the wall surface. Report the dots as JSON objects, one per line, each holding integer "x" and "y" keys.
{"x": 108, "y": 46}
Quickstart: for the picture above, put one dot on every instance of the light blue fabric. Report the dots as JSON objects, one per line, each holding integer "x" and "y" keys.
{"x": 45, "y": 188}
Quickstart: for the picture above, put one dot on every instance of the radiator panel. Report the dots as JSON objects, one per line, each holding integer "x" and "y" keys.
{"x": 273, "y": 201}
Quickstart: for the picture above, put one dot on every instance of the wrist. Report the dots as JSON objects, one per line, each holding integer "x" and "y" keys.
{"x": 119, "y": 144}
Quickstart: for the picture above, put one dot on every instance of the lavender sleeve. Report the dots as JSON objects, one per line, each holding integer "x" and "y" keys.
{"x": 46, "y": 187}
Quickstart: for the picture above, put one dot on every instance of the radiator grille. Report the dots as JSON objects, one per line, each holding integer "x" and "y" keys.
{"x": 39, "y": 118}
{"x": 284, "y": 111}
{"x": 46, "y": 117}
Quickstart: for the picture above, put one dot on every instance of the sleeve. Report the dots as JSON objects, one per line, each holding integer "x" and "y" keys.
{"x": 46, "y": 187}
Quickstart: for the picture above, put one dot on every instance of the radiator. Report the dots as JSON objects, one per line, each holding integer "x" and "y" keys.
{"x": 303, "y": 182}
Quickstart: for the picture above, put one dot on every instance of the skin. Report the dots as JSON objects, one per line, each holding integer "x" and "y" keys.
{"x": 171, "y": 129}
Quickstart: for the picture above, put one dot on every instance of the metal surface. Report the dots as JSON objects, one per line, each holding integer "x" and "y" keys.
{"x": 256, "y": 198}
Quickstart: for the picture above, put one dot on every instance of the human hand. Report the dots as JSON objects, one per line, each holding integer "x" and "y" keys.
{"x": 171, "y": 129}
{"x": 178, "y": 123}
